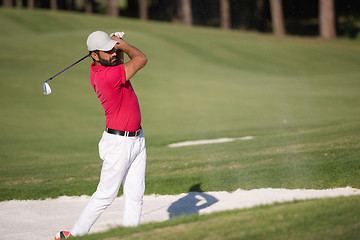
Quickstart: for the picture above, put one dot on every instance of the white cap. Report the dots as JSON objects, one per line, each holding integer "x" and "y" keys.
{"x": 99, "y": 40}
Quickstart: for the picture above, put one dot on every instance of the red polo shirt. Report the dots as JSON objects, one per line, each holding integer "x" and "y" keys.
{"x": 117, "y": 97}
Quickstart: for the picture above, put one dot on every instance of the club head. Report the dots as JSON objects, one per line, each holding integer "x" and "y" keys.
{"x": 46, "y": 88}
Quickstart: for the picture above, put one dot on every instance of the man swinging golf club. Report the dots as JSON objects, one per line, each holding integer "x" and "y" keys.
{"x": 122, "y": 146}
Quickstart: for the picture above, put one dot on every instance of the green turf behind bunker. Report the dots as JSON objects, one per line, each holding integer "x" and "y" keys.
{"x": 299, "y": 97}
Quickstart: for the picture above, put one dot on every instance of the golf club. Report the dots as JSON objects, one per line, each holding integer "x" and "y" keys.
{"x": 46, "y": 86}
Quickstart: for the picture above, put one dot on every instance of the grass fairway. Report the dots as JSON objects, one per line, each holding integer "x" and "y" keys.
{"x": 298, "y": 97}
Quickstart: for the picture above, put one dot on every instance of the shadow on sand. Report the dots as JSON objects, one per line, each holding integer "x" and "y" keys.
{"x": 192, "y": 203}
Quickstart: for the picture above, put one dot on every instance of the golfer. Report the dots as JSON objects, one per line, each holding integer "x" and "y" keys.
{"x": 122, "y": 146}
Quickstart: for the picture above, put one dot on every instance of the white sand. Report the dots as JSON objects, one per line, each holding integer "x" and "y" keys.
{"x": 40, "y": 220}
{"x": 208, "y": 141}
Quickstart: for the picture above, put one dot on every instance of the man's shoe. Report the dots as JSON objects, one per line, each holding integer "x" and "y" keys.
{"x": 62, "y": 235}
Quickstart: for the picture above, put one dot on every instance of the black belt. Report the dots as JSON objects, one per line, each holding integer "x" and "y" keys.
{"x": 124, "y": 133}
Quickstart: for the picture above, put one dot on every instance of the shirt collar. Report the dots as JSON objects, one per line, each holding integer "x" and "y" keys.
{"x": 97, "y": 68}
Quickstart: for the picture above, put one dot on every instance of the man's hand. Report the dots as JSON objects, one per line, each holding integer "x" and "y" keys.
{"x": 117, "y": 37}
{"x": 118, "y": 34}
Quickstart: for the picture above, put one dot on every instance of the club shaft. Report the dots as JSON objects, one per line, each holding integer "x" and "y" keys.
{"x": 68, "y": 67}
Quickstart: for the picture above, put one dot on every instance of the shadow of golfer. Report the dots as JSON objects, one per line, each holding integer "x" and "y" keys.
{"x": 192, "y": 203}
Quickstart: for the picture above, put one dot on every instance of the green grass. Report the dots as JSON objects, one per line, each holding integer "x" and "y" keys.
{"x": 314, "y": 219}
{"x": 299, "y": 97}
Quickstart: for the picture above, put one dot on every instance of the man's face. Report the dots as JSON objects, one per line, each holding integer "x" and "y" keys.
{"x": 108, "y": 58}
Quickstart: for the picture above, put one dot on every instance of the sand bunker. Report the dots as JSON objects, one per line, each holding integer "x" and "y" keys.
{"x": 40, "y": 220}
{"x": 208, "y": 141}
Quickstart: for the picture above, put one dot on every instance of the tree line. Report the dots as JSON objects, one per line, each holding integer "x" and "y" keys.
{"x": 326, "y": 18}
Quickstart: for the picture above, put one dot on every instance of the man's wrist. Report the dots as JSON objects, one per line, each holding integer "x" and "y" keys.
{"x": 121, "y": 45}
{"x": 117, "y": 45}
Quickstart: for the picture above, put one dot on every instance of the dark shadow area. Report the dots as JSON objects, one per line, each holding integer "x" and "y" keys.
{"x": 192, "y": 203}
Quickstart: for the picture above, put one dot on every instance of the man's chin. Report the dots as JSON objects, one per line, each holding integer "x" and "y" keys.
{"x": 109, "y": 63}
{"x": 114, "y": 63}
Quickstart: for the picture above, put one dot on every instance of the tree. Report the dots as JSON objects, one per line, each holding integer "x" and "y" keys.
{"x": 143, "y": 9}
{"x": 89, "y": 6}
{"x": 53, "y": 5}
{"x": 112, "y": 8}
{"x": 7, "y": 3}
{"x": 184, "y": 12}
{"x": 225, "y": 14}
{"x": 277, "y": 18}
{"x": 30, "y": 4}
{"x": 327, "y": 19}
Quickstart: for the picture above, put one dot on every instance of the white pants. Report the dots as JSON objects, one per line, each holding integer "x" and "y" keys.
{"x": 124, "y": 161}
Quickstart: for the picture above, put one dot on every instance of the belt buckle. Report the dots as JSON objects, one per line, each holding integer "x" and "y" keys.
{"x": 137, "y": 133}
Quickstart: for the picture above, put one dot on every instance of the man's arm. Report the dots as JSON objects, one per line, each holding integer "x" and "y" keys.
{"x": 137, "y": 61}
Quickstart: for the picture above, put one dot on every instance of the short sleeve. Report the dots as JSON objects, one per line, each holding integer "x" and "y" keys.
{"x": 116, "y": 76}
